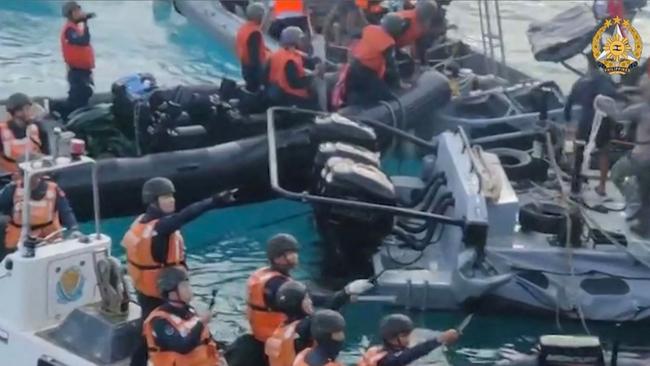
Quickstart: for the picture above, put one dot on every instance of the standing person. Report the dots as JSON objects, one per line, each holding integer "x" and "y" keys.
{"x": 637, "y": 162}
{"x": 373, "y": 70}
{"x": 176, "y": 333}
{"x": 583, "y": 93}
{"x": 78, "y": 55}
{"x": 293, "y": 335}
{"x": 288, "y": 81}
{"x": 395, "y": 330}
{"x": 328, "y": 332}
{"x": 20, "y": 134}
{"x": 417, "y": 24}
{"x": 287, "y": 13}
{"x": 251, "y": 49}
{"x": 154, "y": 242}
{"x": 263, "y": 313}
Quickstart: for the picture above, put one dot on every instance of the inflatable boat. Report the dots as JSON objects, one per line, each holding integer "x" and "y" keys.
{"x": 197, "y": 137}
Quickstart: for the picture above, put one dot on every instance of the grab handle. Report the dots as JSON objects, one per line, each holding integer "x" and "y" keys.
{"x": 187, "y": 168}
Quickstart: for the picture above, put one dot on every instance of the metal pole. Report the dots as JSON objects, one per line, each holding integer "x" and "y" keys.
{"x": 95, "y": 184}
{"x": 27, "y": 190}
{"x": 489, "y": 35}
{"x": 485, "y": 52}
{"x": 501, "y": 43}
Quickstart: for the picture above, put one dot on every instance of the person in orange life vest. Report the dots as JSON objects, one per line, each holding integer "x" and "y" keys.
{"x": 417, "y": 23}
{"x": 373, "y": 70}
{"x": 176, "y": 333}
{"x": 395, "y": 330}
{"x": 295, "y": 302}
{"x": 373, "y": 10}
{"x": 20, "y": 134}
{"x": 328, "y": 331}
{"x": 288, "y": 81}
{"x": 154, "y": 242}
{"x": 288, "y": 13}
{"x": 49, "y": 211}
{"x": 250, "y": 47}
{"x": 78, "y": 55}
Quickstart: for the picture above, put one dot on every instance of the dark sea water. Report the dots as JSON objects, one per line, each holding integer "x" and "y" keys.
{"x": 226, "y": 245}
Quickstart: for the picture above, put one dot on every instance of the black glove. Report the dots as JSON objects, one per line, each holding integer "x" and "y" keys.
{"x": 225, "y": 197}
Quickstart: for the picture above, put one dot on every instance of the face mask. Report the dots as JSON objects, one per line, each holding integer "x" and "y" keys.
{"x": 331, "y": 347}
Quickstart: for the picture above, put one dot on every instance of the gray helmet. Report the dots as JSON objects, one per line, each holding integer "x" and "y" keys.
{"x": 68, "y": 7}
{"x": 290, "y": 296}
{"x": 291, "y": 36}
{"x": 16, "y": 101}
{"x": 156, "y": 187}
{"x": 425, "y": 10}
{"x": 395, "y": 324}
{"x": 169, "y": 280}
{"x": 280, "y": 245}
{"x": 326, "y": 322}
{"x": 255, "y": 12}
{"x": 393, "y": 24}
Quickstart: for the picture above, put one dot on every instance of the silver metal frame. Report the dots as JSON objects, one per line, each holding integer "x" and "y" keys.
{"x": 30, "y": 171}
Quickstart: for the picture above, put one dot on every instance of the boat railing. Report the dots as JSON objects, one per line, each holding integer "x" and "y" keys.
{"x": 307, "y": 197}
{"x": 45, "y": 165}
{"x": 491, "y": 37}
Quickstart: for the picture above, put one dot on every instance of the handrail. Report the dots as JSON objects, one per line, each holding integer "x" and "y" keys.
{"x": 49, "y": 165}
{"x": 306, "y": 197}
{"x": 467, "y": 146}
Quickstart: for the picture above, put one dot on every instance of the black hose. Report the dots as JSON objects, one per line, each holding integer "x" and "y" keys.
{"x": 421, "y": 244}
{"x": 420, "y": 226}
{"x": 444, "y": 206}
{"x": 432, "y": 186}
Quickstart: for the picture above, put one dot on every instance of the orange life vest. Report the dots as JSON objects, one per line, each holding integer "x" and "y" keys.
{"x": 206, "y": 354}
{"x": 372, "y": 356}
{"x": 280, "y": 347}
{"x": 13, "y": 148}
{"x": 302, "y": 356}
{"x": 288, "y": 8}
{"x": 241, "y": 43}
{"x": 371, "y": 47}
{"x": 262, "y": 319}
{"x": 413, "y": 32}
{"x": 366, "y": 5}
{"x": 78, "y": 57}
{"x": 143, "y": 269}
{"x": 43, "y": 216}
{"x": 277, "y": 75}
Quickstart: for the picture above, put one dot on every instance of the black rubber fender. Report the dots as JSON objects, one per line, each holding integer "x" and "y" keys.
{"x": 543, "y": 217}
{"x": 516, "y": 163}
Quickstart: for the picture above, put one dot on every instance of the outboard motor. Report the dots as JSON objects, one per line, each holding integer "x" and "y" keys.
{"x": 128, "y": 92}
{"x": 351, "y": 235}
{"x": 336, "y": 127}
{"x": 559, "y": 350}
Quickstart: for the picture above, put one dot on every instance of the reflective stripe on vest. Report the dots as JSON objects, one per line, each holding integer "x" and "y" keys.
{"x": 280, "y": 347}
{"x": 241, "y": 43}
{"x": 371, "y": 47}
{"x": 372, "y": 356}
{"x": 43, "y": 216}
{"x": 263, "y": 321}
{"x": 14, "y": 148}
{"x": 278, "y": 76}
{"x": 205, "y": 354}
{"x": 302, "y": 356}
{"x": 79, "y": 57}
{"x": 413, "y": 32}
{"x": 143, "y": 269}
{"x": 288, "y": 8}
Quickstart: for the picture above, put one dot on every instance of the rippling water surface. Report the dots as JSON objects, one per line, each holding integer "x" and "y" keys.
{"x": 226, "y": 245}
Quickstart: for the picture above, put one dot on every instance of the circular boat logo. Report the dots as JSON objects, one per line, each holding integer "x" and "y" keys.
{"x": 70, "y": 285}
{"x": 621, "y": 51}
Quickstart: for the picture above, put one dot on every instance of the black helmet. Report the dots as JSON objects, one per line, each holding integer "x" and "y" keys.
{"x": 280, "y": 245}
{"x": 393, "y": 24}
{"x": 425, "y": 10}
{"x": 156, "y": 187}
{"x": 16, "y": 101}
{"x": 395, "y": 324}
{"x": 68, "y": 7}
{"x": 255, "y": 12}
{"x": 326, "y": 322}
{"x": 169, "y": 280}
{"x": 290, "y": 296}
